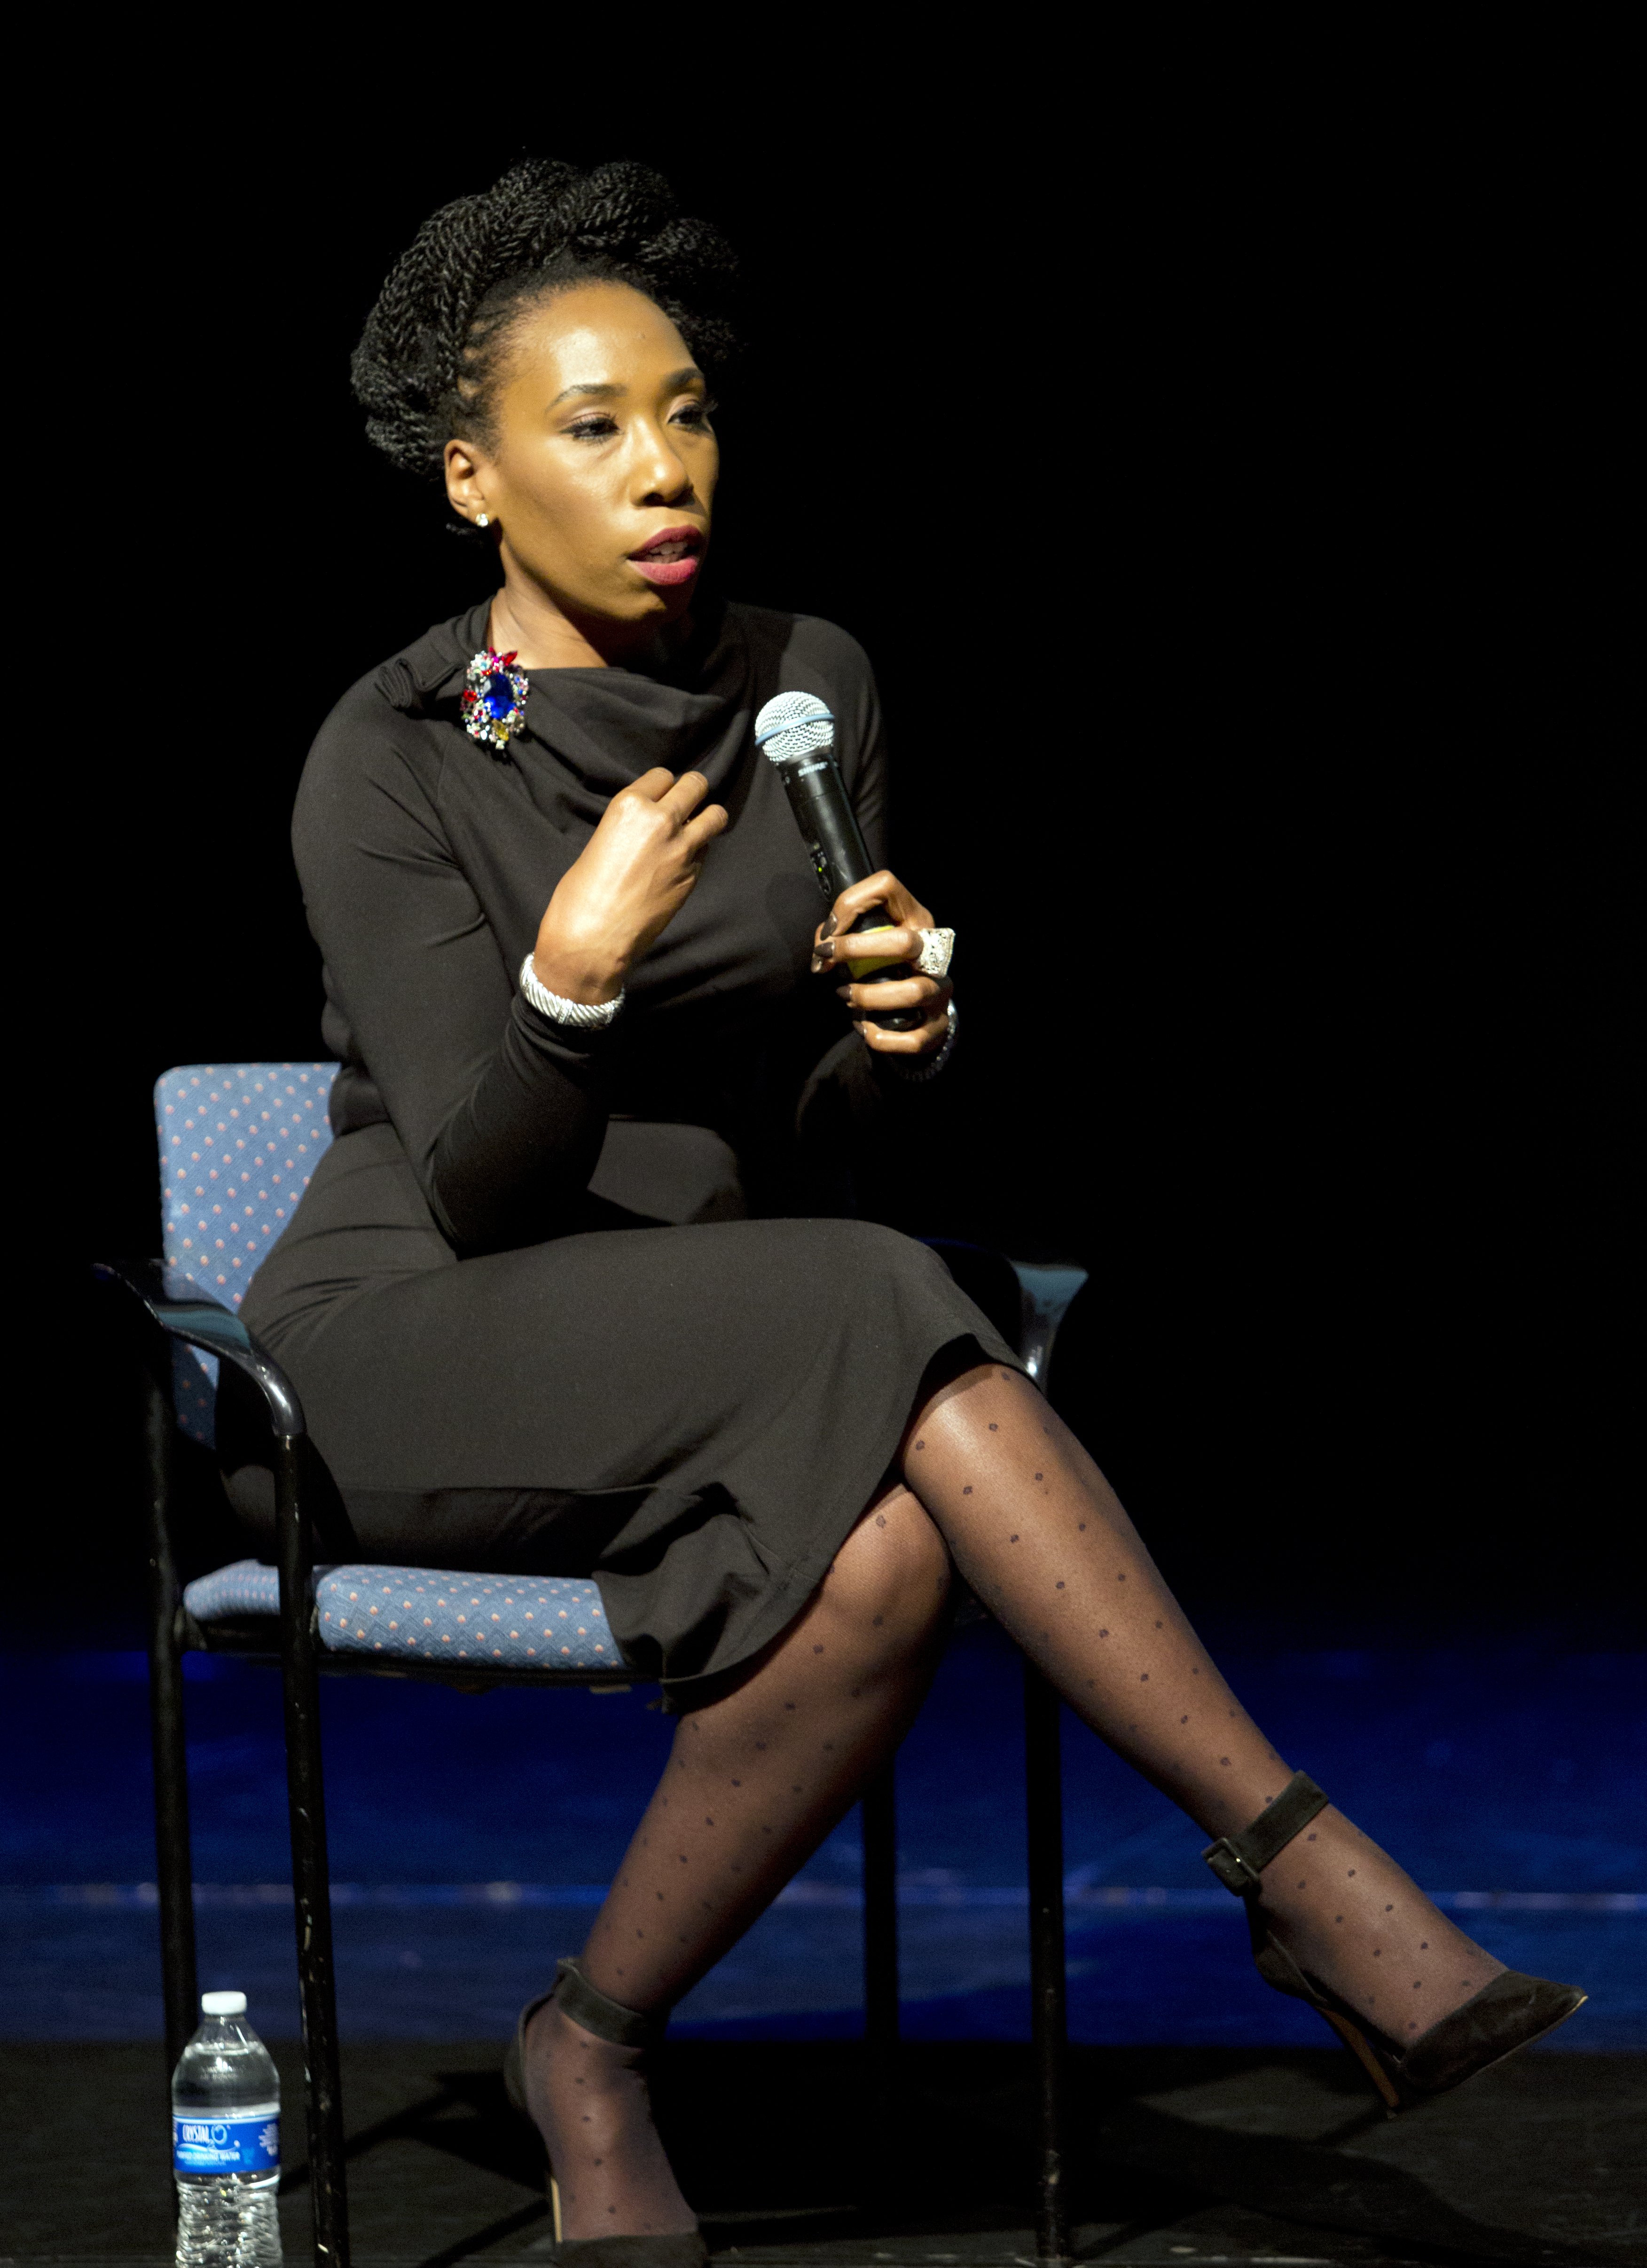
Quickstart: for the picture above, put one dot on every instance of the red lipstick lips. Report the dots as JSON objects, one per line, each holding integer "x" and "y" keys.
{"x": 669, "y": 557}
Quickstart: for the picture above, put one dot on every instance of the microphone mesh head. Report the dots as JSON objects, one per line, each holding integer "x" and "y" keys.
{"x": 794, "y": 725}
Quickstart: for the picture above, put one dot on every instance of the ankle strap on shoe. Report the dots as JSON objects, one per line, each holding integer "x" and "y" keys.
{"x": 609, "y": 2020}
{"x": 1238, "y": 1860}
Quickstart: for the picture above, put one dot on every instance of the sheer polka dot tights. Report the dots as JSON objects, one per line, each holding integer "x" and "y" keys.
{"x": 995, "y": 1485}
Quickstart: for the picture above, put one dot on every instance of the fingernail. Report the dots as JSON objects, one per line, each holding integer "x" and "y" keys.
{"x": 843, "y": 992}
{"x": 829, "y": 926}
{"x": 825, "y": 954}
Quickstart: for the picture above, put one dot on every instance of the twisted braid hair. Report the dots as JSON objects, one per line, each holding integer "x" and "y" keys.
{"x": 430, "y": 359}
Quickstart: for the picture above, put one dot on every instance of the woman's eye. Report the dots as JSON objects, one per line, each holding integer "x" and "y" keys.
{"x": 593, "y": 428}
{"x": 695, "y": 413}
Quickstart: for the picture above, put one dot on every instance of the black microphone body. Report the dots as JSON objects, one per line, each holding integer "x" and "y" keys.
{"x": 830, "y": 830}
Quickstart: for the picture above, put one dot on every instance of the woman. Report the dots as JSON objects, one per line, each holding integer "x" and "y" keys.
{"x": 575, "y": 1290}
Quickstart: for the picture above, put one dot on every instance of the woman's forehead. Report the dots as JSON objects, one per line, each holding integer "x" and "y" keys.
{"x": 599, "y": 334}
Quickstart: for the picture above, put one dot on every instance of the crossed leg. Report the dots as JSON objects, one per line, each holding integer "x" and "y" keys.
{"x": 995, "y": 1485}
{"x": 1036, "y": 1530}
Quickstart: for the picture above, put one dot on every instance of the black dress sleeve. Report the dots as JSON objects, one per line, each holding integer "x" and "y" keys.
{"x": 865, "y": 739}
{"x": 501, "y": 1112}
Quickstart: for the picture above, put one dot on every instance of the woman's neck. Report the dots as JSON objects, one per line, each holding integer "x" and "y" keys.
{"x": 540, "y": 636}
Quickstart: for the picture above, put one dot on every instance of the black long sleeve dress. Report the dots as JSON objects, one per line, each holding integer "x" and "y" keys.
{"x": 586, "y": 1303}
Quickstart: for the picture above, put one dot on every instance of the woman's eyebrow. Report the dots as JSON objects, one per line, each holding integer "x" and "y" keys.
{"x": 606, "y": 392}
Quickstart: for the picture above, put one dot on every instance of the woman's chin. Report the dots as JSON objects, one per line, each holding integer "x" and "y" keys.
{"x": 657, "y": 605}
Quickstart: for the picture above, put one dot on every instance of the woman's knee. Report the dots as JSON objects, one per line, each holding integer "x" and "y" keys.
{"x": 892, "y": 1573}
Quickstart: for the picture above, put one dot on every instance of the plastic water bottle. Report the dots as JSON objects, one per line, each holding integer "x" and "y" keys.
{"x": 225, "y": 2142}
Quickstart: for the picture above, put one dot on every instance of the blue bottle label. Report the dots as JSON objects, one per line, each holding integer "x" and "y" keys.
{"x": 225, "y": 2146}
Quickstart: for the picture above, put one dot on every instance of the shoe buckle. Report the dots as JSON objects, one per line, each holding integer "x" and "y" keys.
{"x": 1235, "y": 1872}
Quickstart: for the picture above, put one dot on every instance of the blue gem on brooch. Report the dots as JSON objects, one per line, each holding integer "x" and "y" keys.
{"x": 493, "y": 700}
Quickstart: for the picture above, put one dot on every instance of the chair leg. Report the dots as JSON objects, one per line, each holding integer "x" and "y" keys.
{"x": 880, "y": 1959}
{"x": 310, "y": 1874}
{"x": 173, "y": 1868}
{"x": 1048, "y": 2016}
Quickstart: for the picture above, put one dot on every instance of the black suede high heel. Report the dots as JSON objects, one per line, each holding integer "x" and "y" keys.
{"x": 1509, "y": 2014}
{"x": 626, "y": 2027}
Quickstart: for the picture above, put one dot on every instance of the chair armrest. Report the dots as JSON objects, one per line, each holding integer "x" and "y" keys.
{"x": 1046, "y": 1293}
{"x": 176, "y": 1306}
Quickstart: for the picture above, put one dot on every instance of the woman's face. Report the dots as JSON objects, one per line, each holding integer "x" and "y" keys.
{"x": 603, "y": 465}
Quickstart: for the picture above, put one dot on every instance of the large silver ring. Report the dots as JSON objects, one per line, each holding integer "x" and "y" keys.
{"x": 936, "y": 945}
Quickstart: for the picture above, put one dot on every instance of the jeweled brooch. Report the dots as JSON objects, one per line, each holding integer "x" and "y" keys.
{"x": 494, "y": 701}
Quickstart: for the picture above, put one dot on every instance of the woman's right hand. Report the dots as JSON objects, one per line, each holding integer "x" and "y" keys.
{"x": 625, "y": 886}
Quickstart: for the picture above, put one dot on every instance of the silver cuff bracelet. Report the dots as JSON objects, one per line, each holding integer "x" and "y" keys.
{"x": 582, "y": 1015}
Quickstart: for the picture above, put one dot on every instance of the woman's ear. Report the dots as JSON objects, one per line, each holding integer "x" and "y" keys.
{"x": 465, "y": 481}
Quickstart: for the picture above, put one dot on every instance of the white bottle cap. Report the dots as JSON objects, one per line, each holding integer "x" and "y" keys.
{"x": 223, "y": 2004}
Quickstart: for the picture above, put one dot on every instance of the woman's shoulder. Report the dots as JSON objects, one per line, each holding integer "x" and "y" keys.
{"x": 380, "y": 712}
{"x": 803, "y": 653}
{"x": 410, "y": 682}
{"x": 390, "y": 730}
{"x": 799, "y": 645}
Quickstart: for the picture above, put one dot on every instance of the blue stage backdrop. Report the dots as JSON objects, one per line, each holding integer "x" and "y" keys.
{"x": 471, "y": 1836}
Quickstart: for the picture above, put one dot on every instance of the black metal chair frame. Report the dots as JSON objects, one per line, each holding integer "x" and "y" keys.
{"x": 163, "y": 1307}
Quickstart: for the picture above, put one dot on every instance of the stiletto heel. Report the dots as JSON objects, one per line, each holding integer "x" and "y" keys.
{"x": 626, "y": 2027}
{"x": 1511, "y": 2013}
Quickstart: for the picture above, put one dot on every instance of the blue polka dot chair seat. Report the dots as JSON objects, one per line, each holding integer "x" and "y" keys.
{"x": 499, "y": 1622}
{"x": 238, "y": 1142}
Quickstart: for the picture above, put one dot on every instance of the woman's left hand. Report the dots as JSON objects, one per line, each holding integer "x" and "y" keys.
{"x": 837, "y": 948}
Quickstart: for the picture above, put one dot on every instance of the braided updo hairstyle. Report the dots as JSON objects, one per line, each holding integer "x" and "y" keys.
{"x": 427, "y": 367}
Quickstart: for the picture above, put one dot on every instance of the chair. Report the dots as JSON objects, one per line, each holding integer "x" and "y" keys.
{"x": 238, "y": 1145}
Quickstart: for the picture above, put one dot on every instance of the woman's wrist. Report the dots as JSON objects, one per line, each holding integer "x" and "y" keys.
{"x": 589, "y": 975}
{"x": 918, "y": 1069}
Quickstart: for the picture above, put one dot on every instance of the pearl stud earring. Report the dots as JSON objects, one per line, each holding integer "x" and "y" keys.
{"x": 481, "y": 520}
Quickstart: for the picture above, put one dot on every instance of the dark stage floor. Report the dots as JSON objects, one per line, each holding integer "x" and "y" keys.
{"x": 470, "y": 1836}
{"x": 1180, "y": 2156}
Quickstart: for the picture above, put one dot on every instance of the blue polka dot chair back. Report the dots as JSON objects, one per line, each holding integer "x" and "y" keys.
{"x": 238, "y": 1142}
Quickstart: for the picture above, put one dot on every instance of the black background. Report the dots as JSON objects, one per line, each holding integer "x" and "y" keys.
{"x": 1227, "y": 504}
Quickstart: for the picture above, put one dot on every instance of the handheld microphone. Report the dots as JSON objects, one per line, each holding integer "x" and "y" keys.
{"x": 798, "y": 732}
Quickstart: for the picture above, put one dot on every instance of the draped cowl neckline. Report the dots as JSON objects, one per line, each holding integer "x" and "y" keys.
{"x": 591, "y": 731}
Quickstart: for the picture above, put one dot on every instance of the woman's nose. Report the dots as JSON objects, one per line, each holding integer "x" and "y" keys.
{"x": 662, "y": 475}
